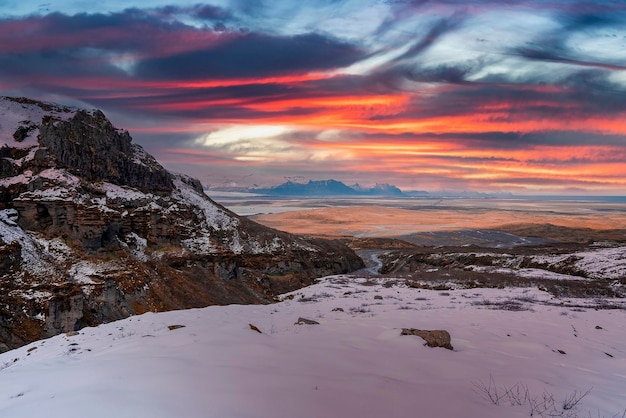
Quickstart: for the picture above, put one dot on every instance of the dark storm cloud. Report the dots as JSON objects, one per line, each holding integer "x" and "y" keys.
{"x": 75, "y": 56}
{"x": 162, "y": 47}
{"x": 47, "y": 65}
{"x": 253, "y": 55}
{"x": 200, "y": 11}
{"x": 132, "y": 30}
{"x": 581, "y": 94}
{"x": 558, "y": 54}
{"x": 454, "y": 74}
{"x": 507, "y": 140}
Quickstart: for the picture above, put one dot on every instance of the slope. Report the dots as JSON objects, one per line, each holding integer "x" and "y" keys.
{"x": 354, "y": 362}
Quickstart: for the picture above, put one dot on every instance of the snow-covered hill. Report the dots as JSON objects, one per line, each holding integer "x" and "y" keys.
{"x": 94, "y": 229}
{"x": 354, "y": 363}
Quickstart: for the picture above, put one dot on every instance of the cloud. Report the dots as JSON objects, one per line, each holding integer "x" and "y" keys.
{"x": 448, "y": 91}
{"x": 253, "y": 55}
{"x": 438, "y": 29}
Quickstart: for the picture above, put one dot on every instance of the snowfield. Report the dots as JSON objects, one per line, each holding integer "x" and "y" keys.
{"x": 354, "y": 363}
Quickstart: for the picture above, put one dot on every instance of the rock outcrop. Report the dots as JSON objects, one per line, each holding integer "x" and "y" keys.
{"x": 93, "y": 229}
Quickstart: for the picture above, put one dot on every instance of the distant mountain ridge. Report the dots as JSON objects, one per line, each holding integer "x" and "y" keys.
{"x": 328, "y": 188}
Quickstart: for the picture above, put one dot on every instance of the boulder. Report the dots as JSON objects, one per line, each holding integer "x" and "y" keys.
{"x": 304, "y": 321}
{"x": 434, "y": 338}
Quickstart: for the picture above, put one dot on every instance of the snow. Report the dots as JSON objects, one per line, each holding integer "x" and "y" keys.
{"x": 115, "y": 192}
{"x": 64, "y": 181}
{"x": 30, "y": 251}
{"x": 354, "y": 363}
{"x": 529, "y": 273}
{"x": 201, "y": 245}
{"x": 596, "y": 263}
{"x": 55, "y": 248}
{"x": 137, "y": 246}
{"x": 58, "y": 194}
{"x": 140, "y": 156}
{"x": 8, "y": 217}
{"x": 23, "y": 178}
{"x": 608, "y": 263}
{"x": 215, "y": 219}
{"x": 61, "y": 176}
{"x": 83, "y": 271}
{"x": 14, "y": 114}
{"x": 31, "y": 294}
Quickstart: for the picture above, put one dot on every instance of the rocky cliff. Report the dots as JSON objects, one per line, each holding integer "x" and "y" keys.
{"x": 93, "y": 229}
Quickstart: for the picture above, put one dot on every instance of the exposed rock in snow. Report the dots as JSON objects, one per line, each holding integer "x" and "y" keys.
{"x": 435, "y": 338}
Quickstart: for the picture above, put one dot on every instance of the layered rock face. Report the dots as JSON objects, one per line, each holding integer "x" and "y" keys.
{"x": 93, "y": 229}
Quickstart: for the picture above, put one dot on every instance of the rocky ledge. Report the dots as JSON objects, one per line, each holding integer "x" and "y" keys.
{"x": 93, "y": 229}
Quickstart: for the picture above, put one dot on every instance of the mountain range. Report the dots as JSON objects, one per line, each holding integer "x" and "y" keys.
{"x": 330, "y": 187}
{"x": 336, "y": 188}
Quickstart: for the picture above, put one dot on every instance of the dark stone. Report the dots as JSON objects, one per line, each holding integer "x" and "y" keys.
{"x": 304, "y": 321}
{"x": 10, "y": 257}
{"x": 111, "y": 236}
{"x": 227, "y": 271}
{"x": 90, "y": 147}
{"x": 173, "y": 327}
{"x": 23, "y": 131}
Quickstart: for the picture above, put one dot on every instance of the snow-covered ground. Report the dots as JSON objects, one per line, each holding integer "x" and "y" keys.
{"x": 353, "y": 363}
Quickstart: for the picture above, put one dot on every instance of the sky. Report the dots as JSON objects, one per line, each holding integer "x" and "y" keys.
{"x": 527, "y": 97}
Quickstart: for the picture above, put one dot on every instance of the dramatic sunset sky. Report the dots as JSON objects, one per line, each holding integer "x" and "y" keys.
{"x": 482, "y": 95}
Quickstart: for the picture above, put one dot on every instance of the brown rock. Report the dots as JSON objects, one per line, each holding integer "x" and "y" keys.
{"x": 173, "y": 327}
{"x": 435, "y": 338}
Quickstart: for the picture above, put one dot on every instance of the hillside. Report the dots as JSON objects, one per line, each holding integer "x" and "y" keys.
{"x": 353, "y": 363}
{"x": 93, "y": 229}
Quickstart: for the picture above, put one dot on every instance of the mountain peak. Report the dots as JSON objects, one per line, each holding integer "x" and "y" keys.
{"x": 38, "y": 136}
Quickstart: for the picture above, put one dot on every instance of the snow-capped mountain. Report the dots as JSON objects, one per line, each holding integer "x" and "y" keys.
{"x": 93, "y": 229}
